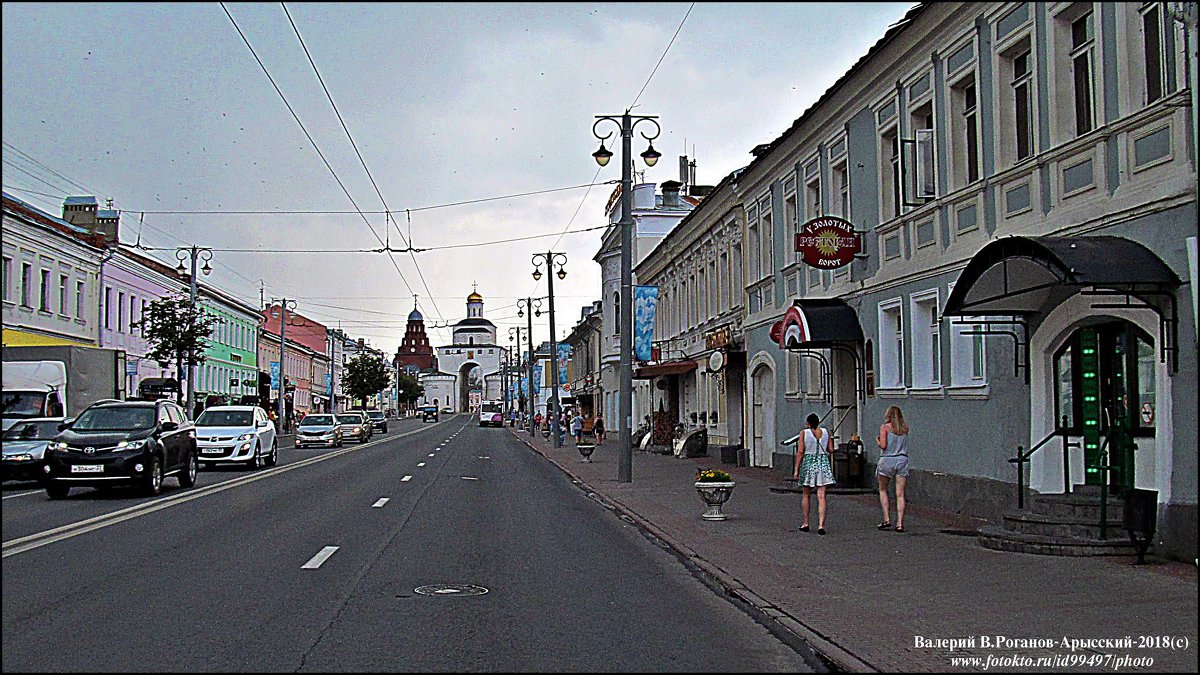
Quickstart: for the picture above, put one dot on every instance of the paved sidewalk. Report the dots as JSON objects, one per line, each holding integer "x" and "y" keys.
{"x": 861, "y": 597}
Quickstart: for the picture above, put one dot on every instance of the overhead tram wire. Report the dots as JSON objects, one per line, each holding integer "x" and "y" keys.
{"x": 664, "y": 55}
{"x": 362, "y": 161}
{"x": 314, "y": 143}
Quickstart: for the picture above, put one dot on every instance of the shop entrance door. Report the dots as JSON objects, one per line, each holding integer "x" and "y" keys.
{"x": 1105, "y": 384}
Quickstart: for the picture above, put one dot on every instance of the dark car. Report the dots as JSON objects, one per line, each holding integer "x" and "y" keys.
{"x": 123, "y": 443}
{"x": 429, "y": 413}
{"x": 378, "y": 420}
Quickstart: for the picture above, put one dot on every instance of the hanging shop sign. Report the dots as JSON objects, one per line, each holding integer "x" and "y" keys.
{"x": 828, "y": 242}
{"x": 716, "y": 361}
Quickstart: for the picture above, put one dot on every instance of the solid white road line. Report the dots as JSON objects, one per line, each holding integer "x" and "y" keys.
{"x": 24, "y": 494}
{"x": 379, "y": 504}
{"x": 320, "y": 558}
{"x": 406, "y": 479}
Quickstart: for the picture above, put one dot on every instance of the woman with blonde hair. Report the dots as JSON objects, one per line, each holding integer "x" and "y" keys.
{"x": 893, "y": 464}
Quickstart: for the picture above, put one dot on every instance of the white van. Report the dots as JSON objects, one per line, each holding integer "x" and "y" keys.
{"x": 491, "y": 413}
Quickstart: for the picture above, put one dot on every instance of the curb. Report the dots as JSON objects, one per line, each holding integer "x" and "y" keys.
{"x": 833, "y": 655}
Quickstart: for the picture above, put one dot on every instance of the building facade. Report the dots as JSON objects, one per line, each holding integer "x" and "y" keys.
{"x": 472, "y": 358}
{"x": 131, "y": 282}
{"x": 229, "y": 374}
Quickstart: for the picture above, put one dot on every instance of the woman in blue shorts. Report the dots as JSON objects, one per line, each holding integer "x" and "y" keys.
{"x": 893, "y": 464}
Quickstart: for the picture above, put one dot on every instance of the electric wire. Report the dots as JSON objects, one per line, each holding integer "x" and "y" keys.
{"x": 664, "y": 55}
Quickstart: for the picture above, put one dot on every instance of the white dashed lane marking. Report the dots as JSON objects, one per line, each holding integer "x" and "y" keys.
{"x": 320, "y": 558}
{"x": 406, "y": 479}
{"x": 420, "y": 463}
{"x": 379, "y": 504}
{"x": 468, "y": 478}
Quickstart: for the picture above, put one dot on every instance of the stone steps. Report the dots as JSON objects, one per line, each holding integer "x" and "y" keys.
{"x": 1000, "y": 539}
{"x": 1053, "y": 525}
{"x": 1082, "y": 506}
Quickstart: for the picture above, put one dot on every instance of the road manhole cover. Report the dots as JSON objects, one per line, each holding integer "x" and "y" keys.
{"x": 451, "y": 590}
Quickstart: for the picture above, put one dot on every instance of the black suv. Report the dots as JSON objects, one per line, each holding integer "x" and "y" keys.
{"x": 429, "y": 412}
{"x": 123, "y": 443}
{"x": 378, "y": 420}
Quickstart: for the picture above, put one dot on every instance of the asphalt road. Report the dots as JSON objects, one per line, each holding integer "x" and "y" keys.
{"x": 315, "y": 565}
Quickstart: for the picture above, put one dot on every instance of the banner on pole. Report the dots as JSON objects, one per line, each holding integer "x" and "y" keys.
{"x": 274, "y": 376}
{"x": 564, "y": 363}
{"x": 645, "y": 304}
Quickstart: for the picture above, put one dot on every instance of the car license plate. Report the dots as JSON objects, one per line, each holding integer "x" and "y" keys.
{"x": 211, "y": 451}
{"x": 87, "y": 468}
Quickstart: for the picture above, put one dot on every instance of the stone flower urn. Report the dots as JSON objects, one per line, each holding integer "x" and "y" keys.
{"x": 715, "y": 494}
{"x": 586, "y": 450}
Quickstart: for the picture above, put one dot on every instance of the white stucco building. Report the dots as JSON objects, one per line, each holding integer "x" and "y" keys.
{"x": 469, "y": 367}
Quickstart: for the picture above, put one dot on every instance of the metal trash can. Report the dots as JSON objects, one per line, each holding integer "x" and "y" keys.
{"x": 1141, "y": 519}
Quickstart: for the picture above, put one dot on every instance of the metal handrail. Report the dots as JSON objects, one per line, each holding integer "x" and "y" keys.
{"x": 1022, "y": 458}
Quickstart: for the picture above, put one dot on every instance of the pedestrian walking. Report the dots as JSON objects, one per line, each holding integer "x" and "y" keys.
{"x": 813, "y": 469}
{"x": 893, "y": 464}
{"x": 577, "y": 427}
{"x": 598, "y": 429}
{"x": 537, "y": 421}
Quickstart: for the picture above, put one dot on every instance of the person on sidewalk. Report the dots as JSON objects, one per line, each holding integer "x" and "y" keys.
{"x": 577, "y": 427}
{"x": 813, "y": 468}
{"x": 598, "y": 429}
{"x": 893, "y": 464}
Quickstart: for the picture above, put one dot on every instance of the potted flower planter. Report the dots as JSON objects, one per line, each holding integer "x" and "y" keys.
{"x": 586, "y": 449}
{"x": 715, "y": 494}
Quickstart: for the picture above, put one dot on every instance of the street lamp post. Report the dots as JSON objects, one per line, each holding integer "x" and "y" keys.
{"x": 284, "y": 304}
{"x": 626, "y": 124}
{"x": 531, "y": 306}
{"x": 554, "y": 267}
{"x": 195, "y": 253}
{"x": 516, "y": 331}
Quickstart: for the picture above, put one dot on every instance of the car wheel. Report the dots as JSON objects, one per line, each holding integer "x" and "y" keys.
{"x": 152, "y": 483}
{"x": 273, "y": 458}
{"x": 385, "y": 428}
{"x": 56, "y": 491}
{"x": 256, "y": 462}
{"x": 188, "y": 478}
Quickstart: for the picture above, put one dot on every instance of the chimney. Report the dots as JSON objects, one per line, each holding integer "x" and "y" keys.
{"x": 760, "y": 150}
{"x": 108, "y": 224}
{"x": 670, "y": 191}
{"x": 80, "y": 211}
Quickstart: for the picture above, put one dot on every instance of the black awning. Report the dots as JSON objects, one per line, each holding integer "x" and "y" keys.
{"x": 667, "y": 368}
{"x": 817, "y": 323}
{"x": 1026, "y": 276}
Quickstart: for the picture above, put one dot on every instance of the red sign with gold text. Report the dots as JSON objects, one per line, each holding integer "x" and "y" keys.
{"x": 828, "y": 242}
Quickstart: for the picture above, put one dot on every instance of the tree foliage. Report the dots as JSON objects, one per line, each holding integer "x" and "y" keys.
{"x": 410, "y": 389}
{"x": 175, "y": 329}
{"x": 365, "y": 376}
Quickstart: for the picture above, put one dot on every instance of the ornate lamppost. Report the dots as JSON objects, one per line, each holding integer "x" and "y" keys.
{"x": 196, "y": 254}
{"x": 534, "y": 307}
{"x": 554, "y": 262}
{"x": 626, "y": 124}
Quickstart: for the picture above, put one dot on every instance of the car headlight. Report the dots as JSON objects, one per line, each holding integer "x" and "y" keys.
{"x": 245, "y": 437}
{"x": 57, "y": 446}
{"x": 23, "y": 457}
{"x": 132, "y": 445}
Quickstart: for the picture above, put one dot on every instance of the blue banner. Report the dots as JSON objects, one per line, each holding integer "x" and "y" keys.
{"x": 274, "y": 376}
{"x": 537, "y": 376}
{"x": 645, "y": 303}
{"x": 564, "y": 362}
{"x": 328, "y": 384}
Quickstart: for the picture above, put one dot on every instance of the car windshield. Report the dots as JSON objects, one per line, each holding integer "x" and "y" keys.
{"x": 349, "y": 419}
{"x": 375, "y": 415}
{"x": 21, "y": 403}
{"x": 32, "y": 431}
{"x": 225, "y": 418}
{"x": 491, "y": 407}
{"x": 115, "y": 418}
{"x": 316, "y": 420}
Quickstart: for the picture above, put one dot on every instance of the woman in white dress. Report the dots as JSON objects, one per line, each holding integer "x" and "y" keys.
{"x": 813, "y": 468}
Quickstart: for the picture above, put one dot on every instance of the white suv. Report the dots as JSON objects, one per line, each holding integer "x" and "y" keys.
{"x": 236, "y": 434}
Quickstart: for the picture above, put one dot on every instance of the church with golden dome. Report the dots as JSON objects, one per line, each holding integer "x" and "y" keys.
{"x": 469, "y": 367}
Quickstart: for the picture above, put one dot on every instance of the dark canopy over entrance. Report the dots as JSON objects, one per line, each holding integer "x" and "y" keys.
{"x": 1027, "y": 277}
{"x": 809, "y": 326}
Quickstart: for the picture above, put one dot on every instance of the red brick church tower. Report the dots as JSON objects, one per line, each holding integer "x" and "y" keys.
{"x": 415, "y": 352}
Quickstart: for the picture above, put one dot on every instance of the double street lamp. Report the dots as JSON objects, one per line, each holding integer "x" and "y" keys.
{"x": 196, "y": 254}
{"x": 532, "y": 306}
{"x": 282, "y": 313}
{"x": 555, "y": 263}
{"x": 626, "y": 124}
{"x": 514, "y": 332}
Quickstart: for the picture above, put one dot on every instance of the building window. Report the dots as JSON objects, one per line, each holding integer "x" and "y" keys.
{"x": 754, "y": 246}
{"x": 812, "y": 197}
{"x": 79, "y": 287}
{"x": 793, "y": 372}
{"x": 736, "y": 281}
{"x": 1022, "y": 91}
{"x": 1153, "y": 26}
{"x": 889, "y": 150}
{"x": 964, "y": 130}
{"x": 790, "y": 213}
{"x": 1082, "y": 48}
{"x": 841, "y": 191}
{"x": 768, "y": 237}
{"x": 44, "y": 296}
{"x": 617, "y": 313}
{"x": 7, "y": 270}
{"x": 120, "y": 312}
{"x": 891, "y": 345}
{"x": 62, "y": 294}
{"x": 107, "y": 307}
{"x": 926, "y": 340}
{"x": 924, "y": 179}
{"x": 27, "y": 285}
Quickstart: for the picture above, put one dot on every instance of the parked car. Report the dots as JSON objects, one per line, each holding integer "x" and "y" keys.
{"x": 136, "y": 443}
{"x": 429, "y": 413}
{"x": 491, "y": 413}
{"x": 25, "y": 448}
{"x": 378, "y": 419}
{"x": 448, "y": 410}
{"x": 319, "y": 429}
{"x": 236, "y": 434}
{"x": 355, "y": 425}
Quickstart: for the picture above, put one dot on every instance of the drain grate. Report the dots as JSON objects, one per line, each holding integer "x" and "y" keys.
{"x": 450, "y": 590}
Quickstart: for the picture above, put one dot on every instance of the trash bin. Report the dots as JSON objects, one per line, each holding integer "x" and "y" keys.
{"x": 1140, "y": 519}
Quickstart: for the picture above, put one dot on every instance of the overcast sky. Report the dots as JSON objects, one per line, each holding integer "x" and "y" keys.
{"x": 162, "y": 107}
